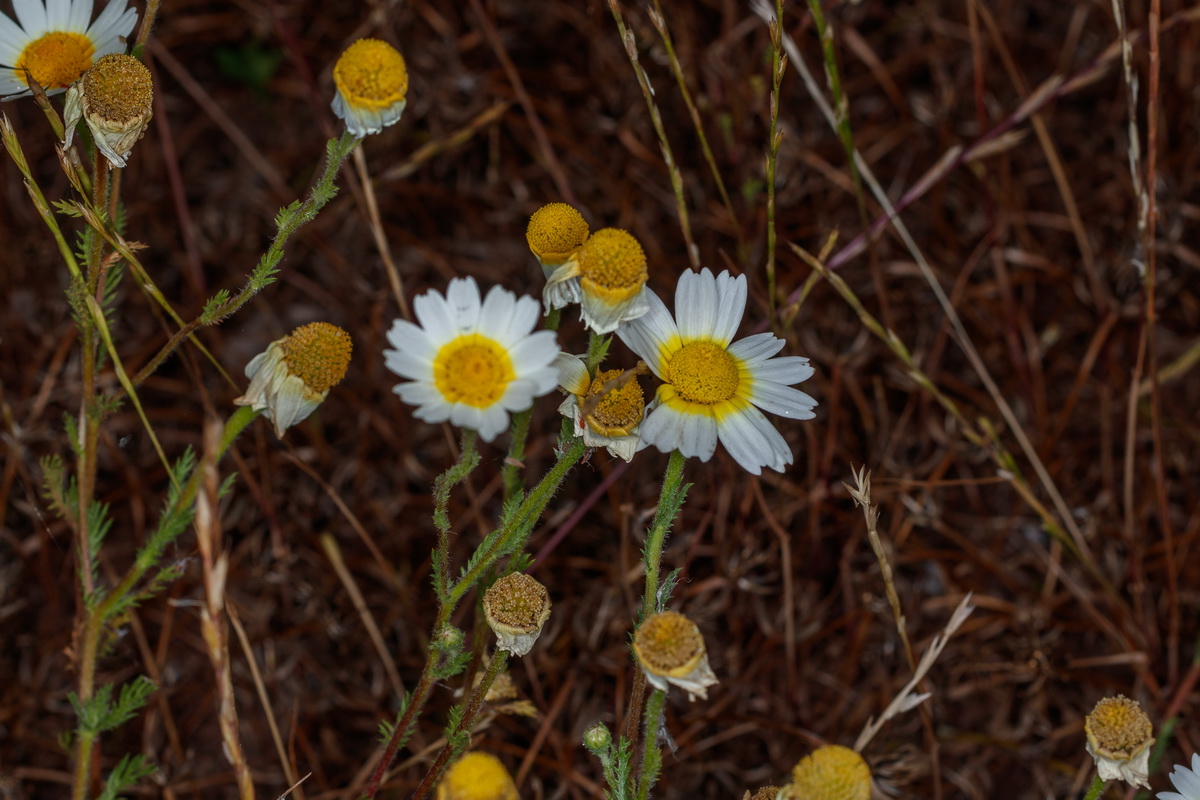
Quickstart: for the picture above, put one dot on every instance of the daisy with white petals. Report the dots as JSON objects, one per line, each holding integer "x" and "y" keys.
{"x": 55, "y": 43}
{"x": 1187, "y": 781}
{"x": 472, "y": 362}
{"x": 711, "y": 383}
{"x": 607, "y": 409}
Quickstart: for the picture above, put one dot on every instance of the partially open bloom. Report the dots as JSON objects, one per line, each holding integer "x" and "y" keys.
{"x": 372, "y": 85}
{"x": 471, "y": 362}
{"x": 516, "y": 607}
{"x": 56, "y": 44}
{"x": 1187, "y": 781}
{"x": 670, "y": 649}
{"x": 831, "y": 772}
{"x": 1119, "y": 739}
{"x": 606, "y": 275}
{"x": 711, "y": 383}
{"x": 294, "y": 374}
{"x": 115, "y": 98}
{"x": 555, "y": 230}
{"x": 608, "y": 409}
{"x": 477, "y": 776}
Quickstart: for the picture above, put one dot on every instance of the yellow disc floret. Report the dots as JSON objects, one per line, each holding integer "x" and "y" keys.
{"x": 371, "y": 74}
{"x": 703, "y": 372}
{"x": 477, "y": 776}
{"x": 616, "y": 407}
{"x": 55, "y": 60}
{"x": 554, "y": 231}
{"x": 472, "y": 369}
{"x": 318, "y": 354}
{"x": 118, "y": 89}
{"x": 831, "y": 772}
{"x": 612, "y": 264}
{"x": 668, "y": 643}
{"x": 1118, "y": 728}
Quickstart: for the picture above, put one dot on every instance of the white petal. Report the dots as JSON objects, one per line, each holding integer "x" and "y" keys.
{"x": 748, "y": 425}
{"x": 405, "y": 336}
{"x": 31, "y": 14}
{"x": 421, "y": 393}
{"x": 696, "y": 304}
{"x": 465, "y": 416}
{"x": 786, "y": 370}
{"x": 493, "y": 422}
{"x": 432, "y": 413}
{"x": 462, "y": 298}
{"x": 650, "y": 333}
{"x": 782, "y": 400}
{"x": 757, "y": 347}
{"x": 572, "y": 374}
{"x": 699, "y": 436}
{"x": 604, "y": 318}
{"x": 10, "y": 87}
{"x": 81, "y": 13}
{"x": 12, "y": 43}
{"x": 114, "y": 23}
{"x": 518, "y": 395}
{"x": 562, "y": 292}
{"x": 58, "y": 15}
{"x": 407, "y": 365}
{"x": 435, "y": 317}
{"x": 535, "y": 352}
{"x": 662, "y": 428}
{"x": 745, "y": 443}
{"x": 731, "y": 294}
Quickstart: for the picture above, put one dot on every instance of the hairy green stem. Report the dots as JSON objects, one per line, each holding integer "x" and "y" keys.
{"x": 1095, "y": 790}
{"x": 513, "y": 462}
{"x": 651, "y": 757}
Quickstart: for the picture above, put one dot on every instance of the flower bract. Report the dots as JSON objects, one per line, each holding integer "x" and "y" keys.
{"x": 1186, "y": 781}
{"x": 606, "y": 275}
{"x": 607, "y": 410}
{"x": 714, "y": 387}
{"x": 55, "y": 43}
{"x": 372, "y": 86}
{"x": 472, "y": 362}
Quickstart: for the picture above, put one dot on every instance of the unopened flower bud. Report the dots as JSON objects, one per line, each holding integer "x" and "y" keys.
{"x": 597, "y": 739}
{"x": 115, "y": 98}
{"x": 516, "y": 607}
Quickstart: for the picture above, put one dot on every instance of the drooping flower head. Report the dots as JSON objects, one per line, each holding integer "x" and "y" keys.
{"x": 831, "y": 772}
{"x": 1187, "y": 781}
{"x": 711, "y": 383}
{"x": 607, "y": 409}
{"x": 606, "y": 275}
{"x": 1119, "y": 735}
{"x": 294, "y": 374}
{"x": 554, "y": 232}
{"x": 55, "y": 43}
{"x": 670, "y": 649}
{"x": 115, "y": 98}
{"x": 372, "y": 86}
{"x": 471, "y": 362}
{"x": 516, "y": 607}
{"x": 477, "y": 776}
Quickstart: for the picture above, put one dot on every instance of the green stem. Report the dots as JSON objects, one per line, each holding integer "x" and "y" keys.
{"x": 651, "y": 757}
{"x": 597, "y": 350}
{"x": 468, "y": 459}
{"x": 670, "y": 500}
{"x": 516, "y": 453}
{"x": 1095, "y": 790}
{"x": 774, "y": 139}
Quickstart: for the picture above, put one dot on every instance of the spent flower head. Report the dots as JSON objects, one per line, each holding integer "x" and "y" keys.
{"x": 115, "y": 98}
{"x": 54, "y": 44}
{"x": 670, "y": 650}
{"x": 294, "y": 374}
{"x": 1119, "y": 735}
{"x": 606, "y": 275}
{"x": 714, "y": 387}
{"x": 830, "y": 772}
{"x": 516, "y": 607}
{"x": 472, "y": 361}
{"x": 477, "y": 776}
{"x": 1186, "y": 781}
{"x": 372, "y": 86}
{"x": 607, "y": 409}
{"x": 554, "y": 232}
{"x": 765, "y": 793}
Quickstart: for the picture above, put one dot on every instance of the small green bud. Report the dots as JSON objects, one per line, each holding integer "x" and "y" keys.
{"x": 597, "y": 739}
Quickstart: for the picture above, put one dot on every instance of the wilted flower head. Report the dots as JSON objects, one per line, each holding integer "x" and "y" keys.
{"x": 670, "y": 649}
{"x": 516, "y": 607}
{"x": 1187, "y": 781}
{"x": 765, "y": 793}
{"x": 294, "y": 374}
{"x": 55, "y": 45}
{"x": 831, "y": 772}
{"x": 606, "y": 409}
{"x": 115, "y": 99}
{"x": 606, "y": 276}
{"x": 477, "y": 776}
{"x": 1119, "y": 739}
{"x": 372, "y": 85}
{"x": 555, "y": 230}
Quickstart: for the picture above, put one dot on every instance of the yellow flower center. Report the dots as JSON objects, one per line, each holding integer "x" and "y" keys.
{"x": 1118, "y": 728}
{"x": 703, "y": 372}
{"x": 616, "y": 408}
{"x": 516, "y": 600}
{"x": 472, "y": 369}
{"x": 612, "y": 264}
{"x": 318, "y": 354}
{"x": 118, "y": 88}
{"x": 56, "y": 60}
{"x": 554, "y": 231}
{"x": 831, "y": 772}
{"x": 477, "y": 776}
{"x": 668, "y": 642}
{"x": 371, "y": 74}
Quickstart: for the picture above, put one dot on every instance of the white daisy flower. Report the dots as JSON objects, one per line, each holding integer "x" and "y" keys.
{"x": 607, "y": 409}
{"x": 372, "y": 86}
{"x": 55, "y": 43}
{"x": 1187, "y": 781}
{"x": 470, "y": 362}
{"x": 606, "y": 275}
{"x": 712, "y": 386}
